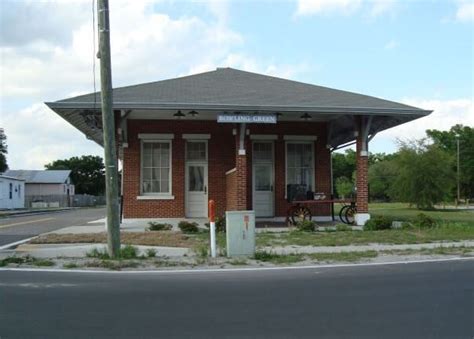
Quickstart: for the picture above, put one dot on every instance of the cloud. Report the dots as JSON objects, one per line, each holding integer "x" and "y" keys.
{"x": 465, "y": 11}
{"x": 373, "y": 8}
{"x": 446, "y": 113}
{"x": 36, "y": 137}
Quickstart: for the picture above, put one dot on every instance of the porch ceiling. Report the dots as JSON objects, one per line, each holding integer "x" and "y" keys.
{"x": 230, "y": 90}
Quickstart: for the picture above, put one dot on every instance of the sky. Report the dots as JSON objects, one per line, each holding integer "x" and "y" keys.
{"x": 416, "y": 52}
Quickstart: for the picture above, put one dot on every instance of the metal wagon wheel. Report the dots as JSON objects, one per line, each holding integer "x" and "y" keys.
{"x": 350, "y": 215}
{"x": 342, "y": 214}
{"x": 299, "y": 214}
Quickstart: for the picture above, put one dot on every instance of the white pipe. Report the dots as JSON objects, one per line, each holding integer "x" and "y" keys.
{"x": 213, "y": 238}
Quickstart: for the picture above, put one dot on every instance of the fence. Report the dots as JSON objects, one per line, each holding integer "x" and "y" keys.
{"x": 78, "y": 200}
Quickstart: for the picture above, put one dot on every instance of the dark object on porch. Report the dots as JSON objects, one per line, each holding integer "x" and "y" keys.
{"x": 295, "y": 192}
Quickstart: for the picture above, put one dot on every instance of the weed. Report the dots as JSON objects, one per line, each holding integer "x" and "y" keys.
{"x": 128, "y": 252}
{"x": 156, "y": 226}
{"x": 378, "y": 223}
{"x": 70, "y": 265}
{"x": 343, "y": 228}
{"x": 98, "y": 253}
{"x": 150, "y": 253}
{"x": 305, "y": 226}
{"x": 188, "y": 227}
{"x": 278, "y": 258}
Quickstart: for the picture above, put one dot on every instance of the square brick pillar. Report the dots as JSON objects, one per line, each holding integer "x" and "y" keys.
{"x": 241, "y": 168}
{"x": 362, "y": 174}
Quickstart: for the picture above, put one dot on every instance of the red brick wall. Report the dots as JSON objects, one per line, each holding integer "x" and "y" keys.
{"x": 231, "y": 194}
{"x": 222, "y": 153}
{"x": 362, "y": 184}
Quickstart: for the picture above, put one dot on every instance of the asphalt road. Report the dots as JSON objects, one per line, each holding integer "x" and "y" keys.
{"x": 16, "y": 228}
{"x": 429, "y": 300}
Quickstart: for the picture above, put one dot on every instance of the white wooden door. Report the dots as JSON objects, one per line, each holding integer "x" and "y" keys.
{"x": 263, "y": 179}
{"x": 196, "y": 179}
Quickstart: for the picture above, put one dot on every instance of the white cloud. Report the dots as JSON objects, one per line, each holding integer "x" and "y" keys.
{"x": 373, "y": 8}
{"x": 446, "y": 113}
{"x": 36, "y": 136}
{"x": 146, "y": 46}
{"x": 465, "y": 11}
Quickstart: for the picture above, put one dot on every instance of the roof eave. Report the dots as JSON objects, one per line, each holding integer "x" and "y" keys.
{"x": 237, "y": 108}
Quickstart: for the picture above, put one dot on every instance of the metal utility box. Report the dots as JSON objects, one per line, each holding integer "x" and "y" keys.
{"x": 240, "y": 233}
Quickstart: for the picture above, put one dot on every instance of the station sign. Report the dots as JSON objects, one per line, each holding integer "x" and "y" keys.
{"x": 247, "y": 118}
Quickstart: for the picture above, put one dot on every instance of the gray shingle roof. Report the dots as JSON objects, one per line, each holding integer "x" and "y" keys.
{"x": 227, "y": 86}
{"x": 231, "y": 90}
{"x": 40, "y": 177}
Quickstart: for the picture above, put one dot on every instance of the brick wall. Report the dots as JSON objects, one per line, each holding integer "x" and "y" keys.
{"x": 231, "y": 191}
{"x": 222, "y": 155}
{"x": 362, "y": 183}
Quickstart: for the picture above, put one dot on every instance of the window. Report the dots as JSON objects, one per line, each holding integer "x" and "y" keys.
{"x": 19, "y": 191}
{"x": 196, "y": 151}
{"x": 156, "y": 167}
{"x": 300, "y": 164}
{"x": 11, "y": 191}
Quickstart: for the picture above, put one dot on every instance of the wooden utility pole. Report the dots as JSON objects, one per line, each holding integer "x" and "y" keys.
{"x": 108, "y": 123}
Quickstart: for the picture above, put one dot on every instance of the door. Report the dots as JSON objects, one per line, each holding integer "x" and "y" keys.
{"x": 262, "y": 181}
{"x": 196, "y": 179}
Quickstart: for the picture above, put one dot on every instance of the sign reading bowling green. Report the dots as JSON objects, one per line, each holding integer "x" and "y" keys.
{"x": 247, "y": 118}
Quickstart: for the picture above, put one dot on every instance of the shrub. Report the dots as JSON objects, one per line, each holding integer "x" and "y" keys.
{"x": 423, "y": 221}
{"x": 156, "y": 226}
{"x": 220, "y": 224}
{"x": 128, "y": 252}
{"x": 188, "y": 227}
{"x": 305, "y": 226}
{"x": 150, "y": 253}
{"x": 378, "y": 223}
{"x": 98, "y": 253}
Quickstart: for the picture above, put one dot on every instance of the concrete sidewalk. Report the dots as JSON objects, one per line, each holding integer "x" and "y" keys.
{"x": 362, "y": 248}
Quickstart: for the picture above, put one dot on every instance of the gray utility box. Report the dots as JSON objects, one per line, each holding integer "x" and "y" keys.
{"x": 240, "y": 233}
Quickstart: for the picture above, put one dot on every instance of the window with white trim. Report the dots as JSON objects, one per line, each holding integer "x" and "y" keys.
{"x": 156, "y": 168}
{"x": 300, "y": 164}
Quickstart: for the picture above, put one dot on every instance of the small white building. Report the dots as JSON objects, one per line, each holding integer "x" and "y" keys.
{"x": 12, "y": 192}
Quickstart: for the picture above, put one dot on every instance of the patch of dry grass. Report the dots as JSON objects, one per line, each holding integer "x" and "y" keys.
{"x": 168, "y": 239}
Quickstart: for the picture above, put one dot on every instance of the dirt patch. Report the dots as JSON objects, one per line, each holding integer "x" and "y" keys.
{"x": 168, "y": 239}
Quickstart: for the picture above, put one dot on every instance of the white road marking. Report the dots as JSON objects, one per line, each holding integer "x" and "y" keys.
{"x": 37, "y": 285}
{"x": 19, "y": 242}
{"x": 227, "y": 270}
{"x": 25, "y": 222}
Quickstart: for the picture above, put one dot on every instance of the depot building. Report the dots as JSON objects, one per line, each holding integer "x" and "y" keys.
{"x": 236, "y": 137}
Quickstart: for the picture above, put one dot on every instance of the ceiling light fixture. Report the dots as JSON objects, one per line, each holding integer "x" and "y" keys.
{"x": 305, "y": 117}
{"x": 179, "y": 115}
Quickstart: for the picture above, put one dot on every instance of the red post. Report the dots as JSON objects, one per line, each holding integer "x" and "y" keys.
{"x": 212, "y": 211}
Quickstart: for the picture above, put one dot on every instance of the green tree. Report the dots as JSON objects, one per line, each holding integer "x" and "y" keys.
{"x": 343, "y": 187}
{"x": 425, "y": 175}
{"x": 382, "y": 173}
{"x": 87, "y": 173}
{"x": 446, "y": 140}
{"x": 3, "y": 151}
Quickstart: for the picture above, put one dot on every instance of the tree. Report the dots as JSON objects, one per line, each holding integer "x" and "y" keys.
{"x": 446, "y": 140}
{"x": 381, "y": 176}
{"x": 425, "y": 175}
{"x": 343, "y": 187}
{"x": 3, "y": 151}
{"x": 87, "y": 173}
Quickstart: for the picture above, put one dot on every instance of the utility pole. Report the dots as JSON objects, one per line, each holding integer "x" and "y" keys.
{"x": 108, "y": 123}
{"x": 458, "y": 170}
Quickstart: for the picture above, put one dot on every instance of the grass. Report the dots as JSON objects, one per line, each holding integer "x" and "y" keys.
{"x": 446, "y": 232}
{"x": 168, "y": 239}
{"x": 26, "y": 260}
{"x": 126, "y": 252}
{"x": 401, "y": 211}
{"x": 291, "y": 258}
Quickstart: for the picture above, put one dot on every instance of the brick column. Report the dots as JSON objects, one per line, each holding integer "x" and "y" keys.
{"x": 362, "y": 178}
{"x": 241, "y": 174}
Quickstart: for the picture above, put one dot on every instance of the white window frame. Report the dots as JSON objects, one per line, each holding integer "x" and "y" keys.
{"x": 206, "y": 144}
{"x": 153, "y": 195}
{"x": 313, "y": 174}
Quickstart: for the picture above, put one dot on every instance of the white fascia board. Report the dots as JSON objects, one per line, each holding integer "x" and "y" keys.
{"x": 263, "y": 137}
{"x": 156, "y": 136}
{"x": 197, "y": 136}
{"x": 300, "y": 137}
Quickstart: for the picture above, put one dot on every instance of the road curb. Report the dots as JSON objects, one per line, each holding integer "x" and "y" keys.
{"x": 231, "y": 270}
